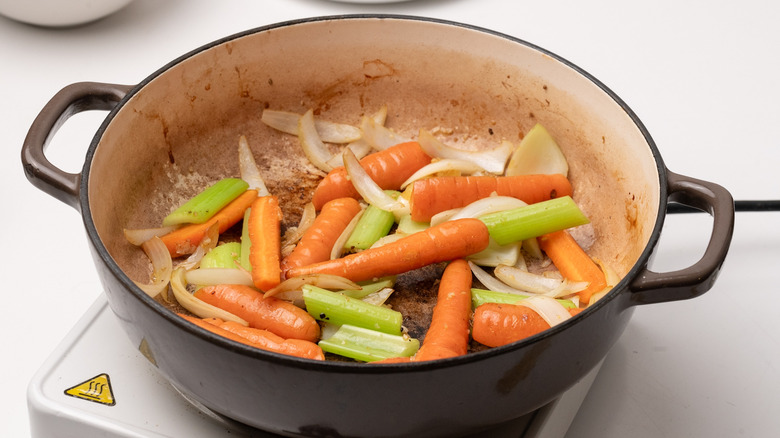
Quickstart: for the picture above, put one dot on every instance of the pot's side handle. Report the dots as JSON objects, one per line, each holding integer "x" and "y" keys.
{"x": 654, "y": 287}
{"x": 71, "y": 100}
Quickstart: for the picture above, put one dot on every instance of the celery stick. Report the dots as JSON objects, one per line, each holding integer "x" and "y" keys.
{"x": 482, "y": 296}
{"x": 407, "y": 226}
{"x": 225, "y": 255}
{"x": 534, "y": 220}
{"x": 367, "y": 345}
{"x": 369, "y": 287}
{"x": 207, "y": 203}
{"x": 337, "y": 308}
{"x": 372, "y": 225}
{"x": 246, "y": 244}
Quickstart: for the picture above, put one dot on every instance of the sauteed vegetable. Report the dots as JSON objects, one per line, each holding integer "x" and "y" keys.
{"x": 395, "y": 206}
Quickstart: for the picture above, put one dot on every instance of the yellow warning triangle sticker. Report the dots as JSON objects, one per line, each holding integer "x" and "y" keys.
{"x": 96, "y": 389}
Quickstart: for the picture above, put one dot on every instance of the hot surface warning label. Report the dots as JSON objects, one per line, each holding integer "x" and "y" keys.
{"x": 96, "y": 389}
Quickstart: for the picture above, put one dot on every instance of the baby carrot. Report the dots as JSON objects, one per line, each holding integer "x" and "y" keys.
{"x": 262, "y": 339}
{"x": 264, "y": 253}
{"x": 573, "y": 262}
{"x": 497, "y": 324}
{"x": 185, "y": 240}
{"x": 389, "y": 168}
{"x": 318, "y": 240}
{"x": 434, "y": 195}
{"x": 448, "y": 334}
{"x": 272, "y": 314}
{"x": 443, "y": 242}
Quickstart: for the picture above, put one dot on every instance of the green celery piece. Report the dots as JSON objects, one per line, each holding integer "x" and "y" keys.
{"x": 207, "y": 203}
{"x": 222, "y": 256}
{"x": 340, "y": 309}
{"x": 407, "y": 226}
{"x": 534, "y": 220}
{"x": 374, "y": 224}
{"x": 246, "y": 244}
{"x": 366, "y": 345}
{"x": 369, "y": 287}
{"x": 482, "y": 296}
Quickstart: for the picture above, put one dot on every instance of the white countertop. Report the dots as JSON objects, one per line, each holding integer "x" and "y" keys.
{"x": 702, "y": 76}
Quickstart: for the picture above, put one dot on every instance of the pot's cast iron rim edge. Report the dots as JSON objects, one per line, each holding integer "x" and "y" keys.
{"x": 344, "y": 366}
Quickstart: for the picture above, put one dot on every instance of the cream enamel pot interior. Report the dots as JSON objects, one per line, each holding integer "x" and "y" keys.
{"x": 167, "y": 136}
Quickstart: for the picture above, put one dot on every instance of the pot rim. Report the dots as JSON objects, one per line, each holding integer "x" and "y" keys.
{"x": 621, "y": 288}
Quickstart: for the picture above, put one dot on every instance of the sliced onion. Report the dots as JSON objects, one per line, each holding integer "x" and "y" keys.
{"x": 495, "y": 254}
{"x": 390, "y": 238}
{"x": 531, "y": 246}
{"x": 325, "y": 281}
{"x": 206, "y": 244}
{"x": 548, "y": 308}
{"x": 313, "y": 147}
{"x": 444, "y": 216}
{"x": 537, "y": 153}
{"x": 368, "y": 189}
{"x": 361, "y": 147}
{"x": 492, "y": 283}
{"x": 211, "y": 276}
{"x": 379, "y": 136}
{"x": 248, "y": 168}
{"x": 609, "y": 274}
{"x": 328, "y": 131}
{"x": 444, "y": 165}
{"x": 139, "y": 236}
{"x": 537, "y": 284}
{"x": 198, "y": 307}
{"x": 492, "y": 160}
{"x": 379, "y": 297}
{"x": 294, "y": 234}
{"x": 162, "y": 267}
{"x": 491, "y": 204}
{"x": 338, "y": 245}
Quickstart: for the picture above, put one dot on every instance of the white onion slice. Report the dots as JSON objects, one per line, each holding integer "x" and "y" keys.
{"x": 379, "y": 136}
{"x": 443, "y": 216}
{"x": 162, "y": 267}
{"x": 548, "y": 308}
{"x": 208, "y": 243}
{"x": 493, "y": 283}
{"x": 379, "y": 297}
{"x": 491, "y": 204}
{"x": 293, "y": 234}
{"x": 338, "y": 245}
{"x": 313, "y": 147}
{"x": 492, "y": 160}
{"x": 212, "y": 276}
{"x": 531, "y": 246}
{"x": 368, "y": 189}
{"x": 325, "y": 281}
{"x": 537, "y": 153}
{"x": 248, "y": 168}
{"x": 361, "y": 147}
{"x": 444, "y": 165}
{"x": 328, "y": 131}
{"x": 390, "y": 238}
{"x": 200, "y": 308}
{"x": 496, "y": 255}
{"x": 139, "y": 236}
{"x": 535, "y": 283}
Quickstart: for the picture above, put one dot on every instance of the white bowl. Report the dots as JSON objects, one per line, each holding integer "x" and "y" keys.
{"x": 59, "y": 13}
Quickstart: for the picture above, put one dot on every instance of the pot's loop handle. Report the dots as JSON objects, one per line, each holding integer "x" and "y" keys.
{"x": 71, "y": 100}
{"x": 654, "y": 287}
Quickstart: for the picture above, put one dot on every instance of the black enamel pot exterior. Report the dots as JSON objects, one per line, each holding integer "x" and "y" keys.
{"x": 296, "y": 397}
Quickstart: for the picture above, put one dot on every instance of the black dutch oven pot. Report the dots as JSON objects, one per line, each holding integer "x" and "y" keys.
{"x": 181, "y": 124}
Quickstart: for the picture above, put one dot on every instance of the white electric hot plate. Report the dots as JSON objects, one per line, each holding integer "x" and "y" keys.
{"x": 96, "y": 384}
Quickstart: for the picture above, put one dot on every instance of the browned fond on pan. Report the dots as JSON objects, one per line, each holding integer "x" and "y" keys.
{"x": 180, "y": 133}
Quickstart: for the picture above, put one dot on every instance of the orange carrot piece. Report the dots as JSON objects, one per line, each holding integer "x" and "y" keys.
{"x": 399, "y": 359}
{"x": 318, "y": 240}
{"x": 262, "y": 339}
{"x": 389, "y": 168}
{"x": 498, "y": 324}
{"x": 264, "y": 254}
{"x": 436, "y": 194}
{"x": 448, "y": 334}
{"x": 573, "y": 262}
{"x": 185, "y": 240}
{"x": 272, "y": 314}
{"x": 443, "y": 242}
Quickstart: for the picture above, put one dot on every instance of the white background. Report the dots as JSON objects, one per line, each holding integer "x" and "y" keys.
{"x": 702, "y": 75}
